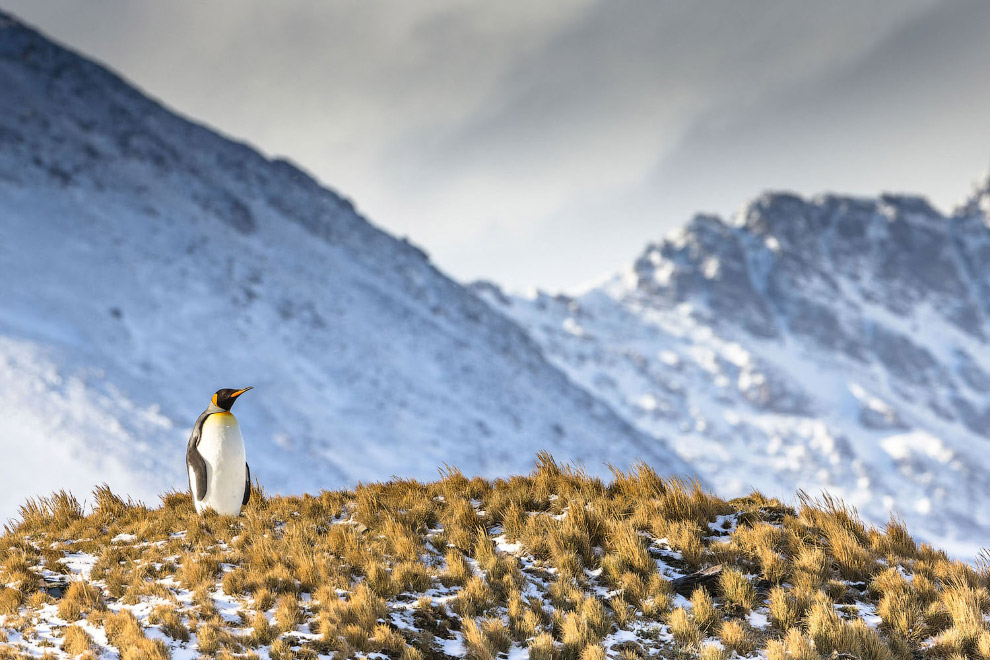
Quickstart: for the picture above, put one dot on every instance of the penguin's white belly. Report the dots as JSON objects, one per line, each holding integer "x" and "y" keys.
{"x": 222, "y": 447}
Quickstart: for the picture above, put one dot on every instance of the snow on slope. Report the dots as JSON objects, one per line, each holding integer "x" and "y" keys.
{"x": 836, "y": 343}
{"x": 146, "y": 261}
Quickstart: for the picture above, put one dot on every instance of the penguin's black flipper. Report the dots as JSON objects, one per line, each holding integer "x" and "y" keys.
{"x": 197, "y": 464}
{"x": 247, "y": 483}
{"x": 195, "y": 461}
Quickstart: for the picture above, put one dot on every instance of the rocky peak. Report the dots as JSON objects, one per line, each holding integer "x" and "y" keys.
{"x": 839, "y": 341}
{"x": 785, "y": 253}
{"x": 978, "y": 204}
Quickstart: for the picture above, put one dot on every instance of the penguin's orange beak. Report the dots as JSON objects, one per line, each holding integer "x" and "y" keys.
{"x": 240, "y": 392}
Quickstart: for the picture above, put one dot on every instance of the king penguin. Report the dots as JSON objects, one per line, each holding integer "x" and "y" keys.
{"x": 219, "y": 476}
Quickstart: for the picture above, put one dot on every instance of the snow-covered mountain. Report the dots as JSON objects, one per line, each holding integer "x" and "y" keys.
{"x": 832, "y": 343}
{"x": 146, "y": 261}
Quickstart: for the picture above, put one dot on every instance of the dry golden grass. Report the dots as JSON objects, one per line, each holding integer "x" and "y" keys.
{"x": 703, "y": 610}
{"x": 737, "y": 590}
{"x": 542, "y": 647}
{"x": 582, "y": 628}
{"x": 737, "y": 638}
{"x": 784, "y": 609}
{"x": 457, "y": 571}
{"x": 794, "y": 646}
{"x": 16, "y": 571}
{"x": 475, "y": 598}
{"x": 903, "y": 615}
{"x": 404, "y": 569}
{"x": 713, "y": 652}
{"x": 593, "y": 652}
{"x": 485, "y": 640}
{"x": 125, "y": 633}
{"x": 76, "y": 641}
{"x": 169, "y": 618}
{"x": 683, "y": 627}
{"x": 288, "y": 616}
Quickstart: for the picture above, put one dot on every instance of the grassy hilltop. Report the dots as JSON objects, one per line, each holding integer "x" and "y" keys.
{"x": 554, "y": 565}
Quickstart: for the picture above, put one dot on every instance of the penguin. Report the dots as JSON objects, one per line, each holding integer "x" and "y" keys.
{"x": 219, "y": 476}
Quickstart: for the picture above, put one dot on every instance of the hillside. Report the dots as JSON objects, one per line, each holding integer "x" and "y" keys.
{"x": 553, "y": 565}
{"x": 147, "y": 261}
{"x": 836, "y": 343}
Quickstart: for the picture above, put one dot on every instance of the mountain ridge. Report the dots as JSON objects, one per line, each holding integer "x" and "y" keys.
{"x": 837, "y": 343}
{"x": 840, "y": 340}
{"x": 149, "y": 261}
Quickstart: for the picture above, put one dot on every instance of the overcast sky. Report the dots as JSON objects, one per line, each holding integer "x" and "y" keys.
{"x": 544, "y": 143}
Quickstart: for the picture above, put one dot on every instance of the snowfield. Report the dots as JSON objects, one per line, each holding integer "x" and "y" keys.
{"x": 834, "y": 344}
{"x": 146, "y": 262}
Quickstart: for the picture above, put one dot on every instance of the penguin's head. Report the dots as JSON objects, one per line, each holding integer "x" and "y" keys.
{"x": 225, "y": 398}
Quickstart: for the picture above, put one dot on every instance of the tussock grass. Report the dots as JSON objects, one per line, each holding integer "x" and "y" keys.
{"x": 475, "y": 598}
{"x": 554, "y": 563}
{"x": 737, "y": 590}
{"x": 583, "y": 627}
{"x": 79, "y": 598}
{"x": 683, "y": 628}
{"x": 486, "y": 638}
{"x": 794, "y": 646}
{"x": 76, "y": 641}
{"x": 594, "y": 652}
{"x": 170, "y": 620}
{"x": 786, "y": 608}
{"x": 542, "y": 647}
{"x": 288, "y": 616}
{"x": 713, "y": 652}
{"x": 124, "y": 632}
{"x": 59, "y": 511}
{"x": 10, "y": 600}
{"x": 737, "y": 637}
{"x": 703, "y": 609}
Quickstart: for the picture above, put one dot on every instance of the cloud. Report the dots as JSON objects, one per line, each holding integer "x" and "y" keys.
{"x": 544, "y": 143}
{"x": 908, "y": 114}
{"x": 560, "y": 151}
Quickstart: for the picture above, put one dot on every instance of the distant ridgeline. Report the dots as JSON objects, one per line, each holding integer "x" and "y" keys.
{"x": 838, "y": 344}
